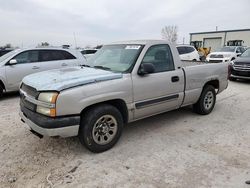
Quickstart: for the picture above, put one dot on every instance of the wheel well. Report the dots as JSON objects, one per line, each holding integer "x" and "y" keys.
{"x": 118, "y": 103}
{"x": 214, "y": 83}
{"x": 2, "y": 85}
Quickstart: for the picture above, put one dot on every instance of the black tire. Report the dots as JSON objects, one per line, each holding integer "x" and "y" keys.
{"x": 1, "y": 91}
{"x": 206, "y": 101}
{"x": 90, "y": 123}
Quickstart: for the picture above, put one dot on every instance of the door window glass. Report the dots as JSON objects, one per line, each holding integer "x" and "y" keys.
{"x": 68, "y": 55}
{"x": 57, "y": 55}
{"x": 27, "y": 57}
{"x": 45, "y": 55}
{"x": 189, "y": 49}
{"x": 181, "y": 50}
{"x": 161, "y": 57}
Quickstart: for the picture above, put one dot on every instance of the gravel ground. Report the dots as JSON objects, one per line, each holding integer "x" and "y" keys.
{"x": 174, "y": 149}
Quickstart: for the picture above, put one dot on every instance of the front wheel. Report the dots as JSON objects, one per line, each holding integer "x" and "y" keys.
{"x": 101, "y": 128}
{"x": 206, "y": 102}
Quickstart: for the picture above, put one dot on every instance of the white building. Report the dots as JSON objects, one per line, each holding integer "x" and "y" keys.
{"x": 217, "y": 39}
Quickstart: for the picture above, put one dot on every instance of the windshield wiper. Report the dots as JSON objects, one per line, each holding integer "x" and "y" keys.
{"x": 101, "y": 67}
{"x": 84, "y": 65}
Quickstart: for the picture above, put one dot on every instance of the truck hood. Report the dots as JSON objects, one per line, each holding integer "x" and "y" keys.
{"x": 245, "y": 60}
{"x": 60, "y": 79}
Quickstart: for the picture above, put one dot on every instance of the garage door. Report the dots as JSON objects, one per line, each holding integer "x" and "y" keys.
{"x": 214, "y": 43}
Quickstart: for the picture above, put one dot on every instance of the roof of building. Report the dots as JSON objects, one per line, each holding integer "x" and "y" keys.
{"x": 222, "y": 31}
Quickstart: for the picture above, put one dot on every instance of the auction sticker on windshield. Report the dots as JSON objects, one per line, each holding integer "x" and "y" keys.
{"x": 132, "y": 47}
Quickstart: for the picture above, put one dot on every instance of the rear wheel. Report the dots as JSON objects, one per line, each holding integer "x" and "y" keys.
{"x": 101, "y": 128}
{"x": 206, "y": 101}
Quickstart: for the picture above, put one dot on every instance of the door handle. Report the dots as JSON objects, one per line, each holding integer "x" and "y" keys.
{"x": 35, "y": 67}
{"x": 175, "y": 78}
{"x": 64, "y": 64}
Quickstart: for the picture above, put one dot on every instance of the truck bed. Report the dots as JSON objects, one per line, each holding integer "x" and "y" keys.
{"x": 196, "y": 76}
{"x": 193, "y": 63}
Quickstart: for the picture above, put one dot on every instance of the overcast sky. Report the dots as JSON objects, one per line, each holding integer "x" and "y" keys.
{"x": 29, "y": 22}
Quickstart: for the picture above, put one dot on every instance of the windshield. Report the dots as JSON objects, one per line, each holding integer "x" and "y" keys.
{"x": 5, "y": 56}
{"x": 117, "y": 58}
{"x": 246, "y": 53}
{"x": 227, "y": 49}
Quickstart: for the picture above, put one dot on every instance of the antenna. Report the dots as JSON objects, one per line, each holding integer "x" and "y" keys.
{"x": 75, "y": 39}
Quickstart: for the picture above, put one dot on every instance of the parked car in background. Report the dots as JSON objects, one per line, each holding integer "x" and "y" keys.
{"x": 87, "y": 53}
{"x": 240, "y": 67}
{"x": 17, "y": 64}
{"x": 127, "y": 81}
{"x": 5, "y": 51}
{"x": 188, "y": 53}
{"x": 225, "y": 54}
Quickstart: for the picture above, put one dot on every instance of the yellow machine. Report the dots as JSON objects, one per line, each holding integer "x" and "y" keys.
{"x": 203, "y": 52}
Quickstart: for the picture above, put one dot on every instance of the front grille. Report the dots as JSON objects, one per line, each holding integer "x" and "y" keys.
{"x": 29, "y": 90}
{"x": 242, "y": 63}
{"x": 240, "y": 66}
{"x": 215, "y": 61}
{"x": 27, "y": 104}
{"x": 216, "y": 56}
{"x": 241, "y": 73}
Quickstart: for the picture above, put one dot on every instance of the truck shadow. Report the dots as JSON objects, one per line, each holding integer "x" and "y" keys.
{"x": 241, "y": 81}
{"x": 9, "y": 95}
{"x": 158, "y": 121}
{"x": 134, "y": 131}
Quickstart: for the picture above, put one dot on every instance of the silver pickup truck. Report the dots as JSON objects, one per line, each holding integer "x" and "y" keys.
{"x": 123, "y": 82}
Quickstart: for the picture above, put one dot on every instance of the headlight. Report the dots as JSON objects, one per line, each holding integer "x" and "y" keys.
{"x": 48, "y": 104}
{"x": 49, "y": 97}
{"x": 46, "y": 111}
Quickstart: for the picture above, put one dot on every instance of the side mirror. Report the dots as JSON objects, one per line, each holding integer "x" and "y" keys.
{"x": 12, "y": 62}
{"x": 146, "y": 68}
{"x": 238, "y": 54}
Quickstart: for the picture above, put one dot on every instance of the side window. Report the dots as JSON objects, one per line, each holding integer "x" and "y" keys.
{"x": 238, "y": 50}
{"x": 45, "y": 55}
{"x": 68, "y": 55}
{"x": 57, "y": 55}
{"x": 189, "y": 49}
{"x": 27, "y": 57}
{"x": 181, "y": 50}
{"x": 242, "y": 49}
{"x": 161, "y": 57}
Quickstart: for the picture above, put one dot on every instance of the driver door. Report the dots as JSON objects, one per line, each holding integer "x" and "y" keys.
{"x": 162, "y": 90}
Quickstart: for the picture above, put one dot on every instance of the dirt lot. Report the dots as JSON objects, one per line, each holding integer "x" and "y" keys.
{"x": 175, "y": 149}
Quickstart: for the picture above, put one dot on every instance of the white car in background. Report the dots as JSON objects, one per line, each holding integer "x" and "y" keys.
{"x": 225, "y": 54}
{"x": 188, "y": 53}
{"x": 17, "y": 64}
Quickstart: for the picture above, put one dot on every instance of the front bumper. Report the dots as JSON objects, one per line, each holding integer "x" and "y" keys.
{"x": 46, "y": 126}
{"x": 241, "y": 74}
{"x": 240, "y": 77}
